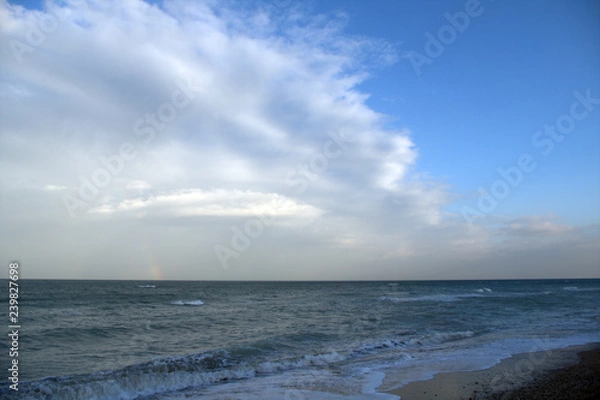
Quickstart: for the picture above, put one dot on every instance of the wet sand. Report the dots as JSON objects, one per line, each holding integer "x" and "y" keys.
{"x": 571, "y": 373}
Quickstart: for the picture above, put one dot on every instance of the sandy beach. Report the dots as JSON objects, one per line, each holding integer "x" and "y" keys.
{"x": 570, "y": 373}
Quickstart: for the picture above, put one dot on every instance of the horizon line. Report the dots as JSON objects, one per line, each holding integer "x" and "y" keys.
{"x": 305, "y": 280}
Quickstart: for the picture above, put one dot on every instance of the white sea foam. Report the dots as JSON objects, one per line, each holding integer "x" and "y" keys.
{"x": 475, "y": 356}
{"x": 306, "y": 361}
{"x": 188, "y": 302}
{"x": 156, "y": 376}
{"x": 443, "y": 298}
{"x": 443, "y": 337}
{"x": 147, "y": 286}
{"x": 410, "y": 342}
{"x": 128, "y": 386}
{"x": 578, "y": 289}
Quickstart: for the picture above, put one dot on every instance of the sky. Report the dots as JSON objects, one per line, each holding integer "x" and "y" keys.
{"x": 312, "y": 140}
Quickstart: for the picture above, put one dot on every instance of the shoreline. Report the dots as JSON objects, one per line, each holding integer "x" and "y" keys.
{"x": 573, "y": 372}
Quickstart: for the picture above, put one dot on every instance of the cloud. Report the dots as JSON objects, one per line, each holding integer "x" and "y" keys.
{"x": 52, "y": 188}
{"x": 537, "y": 226}
{"x": 215, "y": 203}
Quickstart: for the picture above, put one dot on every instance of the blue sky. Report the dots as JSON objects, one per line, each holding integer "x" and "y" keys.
{"x": 298, "y": 140}
{"x": 477, "y": 106}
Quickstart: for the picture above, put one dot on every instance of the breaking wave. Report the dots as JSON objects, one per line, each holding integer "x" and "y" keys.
{"x": 166, "y": 374}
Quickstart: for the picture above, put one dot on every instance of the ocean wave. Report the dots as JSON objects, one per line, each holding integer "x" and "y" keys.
{"x": 188, "y": 302}
{"x": 167, "y": 374}
{"x": 145, "y": 379}
{"x": 430, "y": 339}
{"x": 578, "y": 289}
{"x": 300, "y": 362}
{"x": 522, "y": 294}
{"x": 443, "y": 337}
{"x": 480, "y": 293}
{"x": 384, "y": 344}
{"x": 443, "y": 298}
{"x": 147, "y": 286}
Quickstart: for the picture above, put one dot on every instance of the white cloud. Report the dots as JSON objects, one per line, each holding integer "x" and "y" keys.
{"x": 396, "y": 162}
{"x": 215, "y": 203}
{"x": 537, "y": 226}
{"x": 138, "y": 185}
{"x": 52, "y": 188}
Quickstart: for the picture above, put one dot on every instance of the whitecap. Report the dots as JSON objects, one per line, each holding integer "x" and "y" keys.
{"x": 578, "y": 289}
{"x": 443, "y": 298}
{"x": 305, "y": 361}
{"x": 188, "y": 302}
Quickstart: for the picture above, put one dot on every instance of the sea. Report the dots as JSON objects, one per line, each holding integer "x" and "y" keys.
{"x": 85, "y": 339}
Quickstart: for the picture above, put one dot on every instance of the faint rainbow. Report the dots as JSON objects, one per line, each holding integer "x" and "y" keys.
{"x": 155, "y": 268}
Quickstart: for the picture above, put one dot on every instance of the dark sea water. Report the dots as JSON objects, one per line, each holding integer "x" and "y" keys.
{"x": 280, "y": 340}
